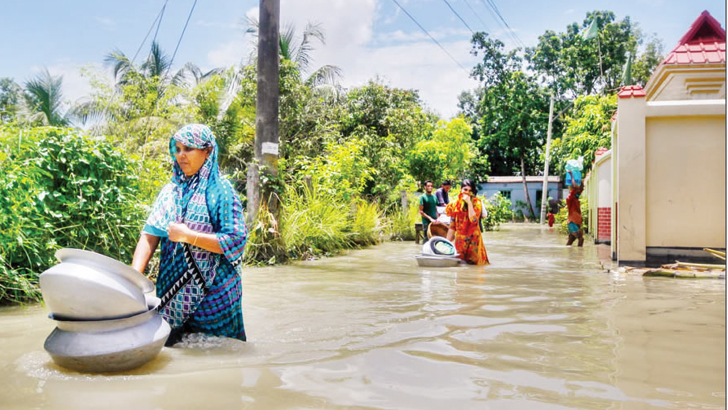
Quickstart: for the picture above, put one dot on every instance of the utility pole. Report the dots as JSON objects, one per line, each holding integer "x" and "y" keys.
{"x": 544, "y": 189}
{"x": 266, "y": 120}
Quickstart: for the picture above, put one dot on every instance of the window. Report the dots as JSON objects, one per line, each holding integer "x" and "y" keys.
{"x": 505, "y": 194}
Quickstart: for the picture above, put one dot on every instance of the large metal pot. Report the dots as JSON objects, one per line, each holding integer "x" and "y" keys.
{"x": 105, "y": 264}
{"x": 437, "y": 261}
{"x": 79, "y": 291}
{"x": 108, "y": 345}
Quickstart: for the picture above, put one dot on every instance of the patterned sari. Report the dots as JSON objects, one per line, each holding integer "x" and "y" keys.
{"x": 199, "y": 289}
{"x": 468, "y": 239}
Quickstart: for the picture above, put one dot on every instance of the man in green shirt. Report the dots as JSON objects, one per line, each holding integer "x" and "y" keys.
{"x": 428, "y": 208}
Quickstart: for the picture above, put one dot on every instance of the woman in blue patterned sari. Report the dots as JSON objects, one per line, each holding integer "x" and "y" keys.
{"x": 198, "y": 219}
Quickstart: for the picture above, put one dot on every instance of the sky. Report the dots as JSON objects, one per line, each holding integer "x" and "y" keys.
{"x": 367, "y": 39}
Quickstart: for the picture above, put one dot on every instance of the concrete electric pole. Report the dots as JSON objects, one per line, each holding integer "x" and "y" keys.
{"x": 266, "y": 121}
{"x": 545, "y": 187}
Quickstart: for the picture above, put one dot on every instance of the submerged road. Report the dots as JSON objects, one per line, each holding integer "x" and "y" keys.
{"x": 543, "y": 327}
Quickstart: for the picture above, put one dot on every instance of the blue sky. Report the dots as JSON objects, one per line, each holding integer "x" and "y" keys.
{"x": 366, "y": 38}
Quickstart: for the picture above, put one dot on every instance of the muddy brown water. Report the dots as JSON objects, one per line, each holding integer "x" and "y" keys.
{"x": 544, "y": 327}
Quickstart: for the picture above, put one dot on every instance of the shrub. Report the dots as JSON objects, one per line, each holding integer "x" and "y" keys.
{"x": 61, "y": 188}
{"x": 499, "y": 211}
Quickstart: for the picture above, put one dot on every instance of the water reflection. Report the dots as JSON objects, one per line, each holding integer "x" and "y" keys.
{"x": 544, "y": 327}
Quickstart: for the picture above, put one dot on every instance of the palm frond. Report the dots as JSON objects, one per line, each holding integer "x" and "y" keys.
{"x": 44, "y": 95}
{"x": 328, "y": 74}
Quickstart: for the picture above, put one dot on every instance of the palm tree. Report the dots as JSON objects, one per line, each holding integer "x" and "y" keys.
{"x": 42, "y": 101}
{"x": 298, "y": 49}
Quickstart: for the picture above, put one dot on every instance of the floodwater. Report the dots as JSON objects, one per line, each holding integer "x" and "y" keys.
{"x": 544, "y": 327}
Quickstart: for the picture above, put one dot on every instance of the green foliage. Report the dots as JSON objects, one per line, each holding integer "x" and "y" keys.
{"x": 588, "y": 128}
{"x": 315, "y": 223}
{"x": 403, "y": 223}
{"x": 499, "y": 211}
{"x": 61, "y": 188}
{"x": 648, "y": 60}
{"x": 10, "y": 94}
{"x": 445, "y": 155}
{"x": 367, "y": 226}
{"x": 570, "y": 65}
{"x": 512, "y": 111}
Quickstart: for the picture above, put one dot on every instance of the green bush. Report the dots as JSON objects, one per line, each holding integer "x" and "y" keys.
{"x": 499, "y": 211}
{"x": 367, "y": 224}
{"x": 61, "y": 188}
{"x": 314, "y": 222}
{"x": 403, "y": 223}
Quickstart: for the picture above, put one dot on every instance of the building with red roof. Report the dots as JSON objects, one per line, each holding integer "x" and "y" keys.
{"x": 668, "y": 156}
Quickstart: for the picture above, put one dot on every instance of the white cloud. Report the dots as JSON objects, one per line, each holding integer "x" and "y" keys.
{"x": 229, "y": 53}
{"x": 106, "y": 22}
{"x": 351, "y": 45}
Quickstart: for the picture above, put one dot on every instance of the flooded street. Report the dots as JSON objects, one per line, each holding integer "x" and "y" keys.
{"x": 544, "y": 327}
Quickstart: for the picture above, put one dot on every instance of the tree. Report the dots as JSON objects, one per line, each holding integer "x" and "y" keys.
{"x": 572, "y": 66}
{"x": 298, "y": 49}
{"x": 511, "y": 113}
{"x": 10, "y": 95}
{"x": 587, "y": 128}
{"x": 42, "y": 102}
{"x": 646, "y": 62}
{"x": 444, "y": 155}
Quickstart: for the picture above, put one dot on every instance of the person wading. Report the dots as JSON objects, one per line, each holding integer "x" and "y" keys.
{"x": 198, "y": 220}
{"x": 428, "y": 209}
{"x": 574, "y": 207}
{"x": 464, "y": 230}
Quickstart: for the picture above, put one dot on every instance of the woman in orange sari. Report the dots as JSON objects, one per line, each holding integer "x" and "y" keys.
{"x": 464, "y": 230}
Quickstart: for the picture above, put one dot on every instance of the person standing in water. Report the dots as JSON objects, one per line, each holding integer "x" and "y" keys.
{"x": 428, "y": 209}
{"x": 198, "y": 219}
{"x": 464, "y": 230}
{"x": 574, "y": 207}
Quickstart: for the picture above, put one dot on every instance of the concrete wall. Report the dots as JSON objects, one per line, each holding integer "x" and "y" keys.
{"x": 630, "y": 152}
{"x": 685, "y": 181}
{"x": 599, "y": 191}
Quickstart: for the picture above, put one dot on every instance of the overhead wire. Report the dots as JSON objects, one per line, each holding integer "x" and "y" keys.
{"x": 157, "y": 21}
{"x": 485, "y": 26}
{"x": 429, "y": 35}
{"x": 487, "y": 5}
{"x": 499, "y": 16}
{"x": 458, "y": 16}
{"x": 171, "y": 61}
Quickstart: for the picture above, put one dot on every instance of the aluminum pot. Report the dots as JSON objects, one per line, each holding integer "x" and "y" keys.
{"x": 106, "y": 265}
{"x": 108, "y": 345}
{"x": 437, "y": 261}
{"x": 79, "y": 291}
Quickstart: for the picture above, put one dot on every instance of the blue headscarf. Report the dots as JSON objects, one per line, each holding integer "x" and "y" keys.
{"x": 206, "y": 203}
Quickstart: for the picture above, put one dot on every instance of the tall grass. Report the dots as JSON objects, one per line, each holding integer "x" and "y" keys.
{"x": 403, "y": 223}
{"x": 314, "y": 223}
{"x": 367, "y": 223}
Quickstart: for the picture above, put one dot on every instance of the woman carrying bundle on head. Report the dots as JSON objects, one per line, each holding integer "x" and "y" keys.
{"x": 464, "y": 230}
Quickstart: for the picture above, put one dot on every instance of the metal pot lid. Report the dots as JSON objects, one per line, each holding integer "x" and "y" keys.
{"x": 106, "y": 263}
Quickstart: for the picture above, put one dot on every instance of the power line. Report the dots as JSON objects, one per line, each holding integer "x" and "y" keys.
{"x": 182, "y": 35}
{"x": 477, "y": 15}
{"x": 508, "y": 28}
{"x": 458, "y": 15}
{"x": 157, "y": 21}
{"x": 429, "y": 35}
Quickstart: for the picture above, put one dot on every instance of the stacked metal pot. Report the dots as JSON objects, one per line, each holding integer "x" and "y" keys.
{"x": 438, "y": 252}
{"x": 105, "y": 313}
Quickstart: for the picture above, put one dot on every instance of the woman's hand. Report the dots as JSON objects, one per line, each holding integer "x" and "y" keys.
{"x": 180, "y": 233}
{"x": 467, "y": 199}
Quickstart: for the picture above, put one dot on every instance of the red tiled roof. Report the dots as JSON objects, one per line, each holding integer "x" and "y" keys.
{"x": 704, "y": 43}
{"x": 631, "y": 91}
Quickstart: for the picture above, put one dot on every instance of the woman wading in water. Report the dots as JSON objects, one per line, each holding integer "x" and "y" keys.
{"x": 464, "y": 230}
{"x": 198, "y": 219}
